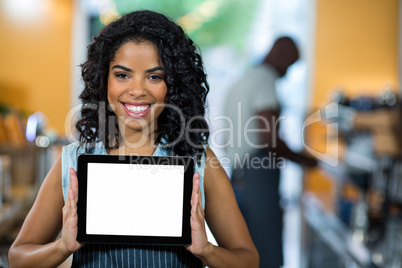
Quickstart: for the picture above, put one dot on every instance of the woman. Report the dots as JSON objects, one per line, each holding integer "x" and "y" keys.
{"x": 145, "y": 91}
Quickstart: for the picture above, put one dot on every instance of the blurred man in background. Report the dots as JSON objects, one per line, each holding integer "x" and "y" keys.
{"x": 256, "y": 151}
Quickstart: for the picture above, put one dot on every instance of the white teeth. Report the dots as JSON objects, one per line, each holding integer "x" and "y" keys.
{"x": 136, "y": 109}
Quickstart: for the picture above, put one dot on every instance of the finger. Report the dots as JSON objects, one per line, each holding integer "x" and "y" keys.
{"x": 197, "y": 214}
{"x": 72, "y": 212}
{"x": 194, "y": 203}
{"x": 74, "y": 183}
{"x": 195, "y": 188}
{"x": 72, "y": 197}
{"x": 200, "y": 210}
{"x": 196, "y": 183}
{"x": 73, "y": 179}
{"x": 199, "y": 201}
{"x": 71, "y": 203}
{"x": 197, "y": 209}
{"x": 199, "y": 194}
{"x": 66, "y": 210}
{"x": 67, "y": 207}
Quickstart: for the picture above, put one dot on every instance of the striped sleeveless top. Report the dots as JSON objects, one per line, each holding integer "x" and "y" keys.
{"x": 112, "y": 255}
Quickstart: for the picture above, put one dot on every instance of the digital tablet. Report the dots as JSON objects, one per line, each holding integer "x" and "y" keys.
{"x": 127, "y": 199}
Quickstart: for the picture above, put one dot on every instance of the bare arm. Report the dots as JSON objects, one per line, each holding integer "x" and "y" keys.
{"x": 225, "y": 220}
{"x": 35, "y": 245}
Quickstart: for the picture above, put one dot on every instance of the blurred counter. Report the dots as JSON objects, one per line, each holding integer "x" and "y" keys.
{"x": 365, "y": 227}
{"x": 15, "y": 210}
{"x": 20, "y": 179}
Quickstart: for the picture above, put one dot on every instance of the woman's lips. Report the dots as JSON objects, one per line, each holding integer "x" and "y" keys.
{"x": 137, "y": 110}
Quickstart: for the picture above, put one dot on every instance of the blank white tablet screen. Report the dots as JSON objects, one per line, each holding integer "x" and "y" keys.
{"x": 130, "y": 199}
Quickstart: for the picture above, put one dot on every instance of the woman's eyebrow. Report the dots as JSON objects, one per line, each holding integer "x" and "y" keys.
{"x": 123, "y": 68}
{"x": 159, "y": 68}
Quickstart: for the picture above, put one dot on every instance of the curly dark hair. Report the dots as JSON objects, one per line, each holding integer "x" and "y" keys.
{"x": 187, "y": 87}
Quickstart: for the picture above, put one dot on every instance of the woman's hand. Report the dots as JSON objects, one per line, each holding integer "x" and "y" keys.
{"x": 70, "y": 218}
{"x": 200, "y": 244}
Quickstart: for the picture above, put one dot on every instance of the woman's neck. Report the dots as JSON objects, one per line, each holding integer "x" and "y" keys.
{"x": 136, "y": 143}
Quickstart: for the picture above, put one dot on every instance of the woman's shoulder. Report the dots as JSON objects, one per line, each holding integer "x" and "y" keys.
{"x": 72, "y": 146}
{"x": 70, "y": 151}
{"x": 210, "y": 156}
{"x": 213, "y": 167}
{"x": 207, "y": 160}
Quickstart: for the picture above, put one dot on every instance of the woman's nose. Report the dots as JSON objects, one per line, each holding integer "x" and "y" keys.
{"x": 137, "y": 88}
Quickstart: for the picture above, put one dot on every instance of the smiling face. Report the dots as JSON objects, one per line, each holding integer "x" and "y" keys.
{"x": 136, "y": 86}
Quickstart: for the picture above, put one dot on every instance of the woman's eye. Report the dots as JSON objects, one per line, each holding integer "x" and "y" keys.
{"x": 122, "y": 75}
{"x": 155, "y": 77}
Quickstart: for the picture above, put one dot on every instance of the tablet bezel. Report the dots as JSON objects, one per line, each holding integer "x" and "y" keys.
{"x": 82, "y": 172}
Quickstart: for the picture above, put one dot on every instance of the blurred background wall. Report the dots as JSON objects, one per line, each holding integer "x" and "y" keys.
{"x": 356, "y": 50}
{"x": 35, "y": 53}
{"x": 356, "y": 47}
